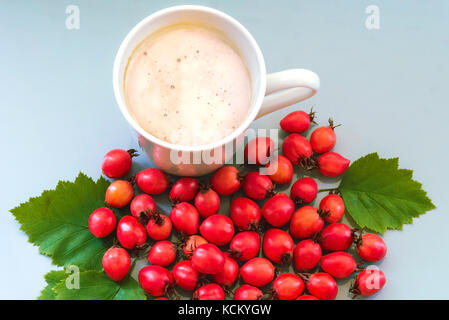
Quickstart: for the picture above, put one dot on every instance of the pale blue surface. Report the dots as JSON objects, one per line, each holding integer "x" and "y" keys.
{"x": 388, "y": 87}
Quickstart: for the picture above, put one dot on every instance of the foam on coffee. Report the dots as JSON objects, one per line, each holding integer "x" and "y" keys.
{"x": 187, "y": 85}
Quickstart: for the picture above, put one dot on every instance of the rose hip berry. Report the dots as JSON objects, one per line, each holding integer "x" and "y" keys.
{"x": 306, "y": 222}
{"x": 332, "y": 208}
{"x": 116, "y": 263}
{"x": 284, "y": 172}
{"x": 258, "y": 150}
{"x": 307, "y": 255}
{"x": 323, "y": 139}
{"x": 102, "y": 222}
{"x": 159, "y": 227}
{"x": 226, "y": 180}
{"x": 257, "y": 186}
{"x": 142, "y": 204}
{"x": 211, "y": 291}
{"x": 278, "y": 210}
{"x": 162, "y": 253}
{"x": 185, "y": 218}
{"x": 371, "y": 247}
{"x": 155, "y": 280}
{"x": 322, "y": 286}
{"x": 185, "y": 189}
{"x": 336, "y": 237}
{"x": 369, "y": 282}
{"x": 207, "y": 202}
{"x": 185, "y": 275}
{"x": 245, "y": 213}
{"x": 278, "y": 246}
{"x": 331, "y": 164}
{"x": 288, "y": 286}
{"x": 297, "y": 121}
{"x": 245, "y": 245}
{"x": 191, "y": 244}
{"x": 229, "y": 274}
{"x": 304, "y": 191}
{"x": 297, "y": 149}
{"x": 131, "y": 233}
{"x": 119, "y": 193}
{"x": 152, "y": 181}
{"x": 217, "y": 229}
{"x": 338, "y": 264}
{"x": 117, "y": 162}
{"x": 257, "y": 272}
{"x": 307, "y": 297}
{"x": 208, "y": 259}
{"x": 247, "y": 292}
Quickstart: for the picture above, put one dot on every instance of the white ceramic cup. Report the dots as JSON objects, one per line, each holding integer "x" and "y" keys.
{"x": 269, "y": 92}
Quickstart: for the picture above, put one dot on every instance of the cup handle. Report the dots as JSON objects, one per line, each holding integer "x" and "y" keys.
{"x": 288, "y": 87}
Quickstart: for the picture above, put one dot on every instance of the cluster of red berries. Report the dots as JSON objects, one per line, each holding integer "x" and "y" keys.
{"x": 228, "y": 247}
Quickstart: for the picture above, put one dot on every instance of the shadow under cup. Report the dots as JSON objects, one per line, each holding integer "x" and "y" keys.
{"x": 192, "y": 160}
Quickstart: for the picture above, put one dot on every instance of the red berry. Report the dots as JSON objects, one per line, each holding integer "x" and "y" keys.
{"x": 322, "y": 286}
{"x": 142, "y": 203}
{"x": 307, "y": 255}
{"x": 117, "y": 162}
{"x": 185, "y": 189}
{"x": 247, "y": 292}
{"x": 331, "y": 164}
{"x": 245, "y": 213}
{"x": 323, "y": 138}
{"x": 131, "y": 233}
{"x": 185, "y": 218}
{"x": 371, "y": 247}
{"x": 116, "y": 263}
{"x": 245, "y": 245}
{"x": 306, "y": 222}
{"x": 185, "y": 275}
{"x": 332, "y": 208}
{"x": 297, "y": 149}
{"x": 297, "y": 121}
{"x": 217, "y": 229}
{"x": 152, "y": 181}
{"x": 307, "y": 297}
{"x": 211, "y": 291}
{"x": 283, "y": 173}
{"x": 338, "y": 264}
{"x": 207, "y": 202}
{"x": 336, "y": 237}
{"x": 159, "y": 227}
{"x": 208, "y": 259}
{"x": 119, "y": 193}
{"x": 229, "y": 274}
{"x": 278, "y": 246}
{"x": 369, "y": 282}
{"x": 278, "y": 210}
{"x": 257, "y": 186}
{"x": 191, "y": 244}
{"x": 288, "y": 286}
{"x": 257, "y": 272}
{"x": 304, "y": 190}
{"x": 226, "y": 181}
{"x": 102, "y": 222}
{"x": 155, "y": 280}
{"x": 161, "y": 298}
{"x": 162, "y": 253}
{"x": 258, "y": 150}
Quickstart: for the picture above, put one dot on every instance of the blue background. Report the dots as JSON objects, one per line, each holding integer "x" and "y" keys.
{"x": 389, "y": 88}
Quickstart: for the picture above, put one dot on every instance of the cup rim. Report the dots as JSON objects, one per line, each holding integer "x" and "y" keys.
{"x": 256, "y": 104}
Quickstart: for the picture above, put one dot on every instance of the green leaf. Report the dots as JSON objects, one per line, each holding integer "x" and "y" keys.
{"x": 379, "y": 196}
{"x": 52, "y": 278}
{"x": 96, "y": 285}
{"x": 57, "y": 222}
